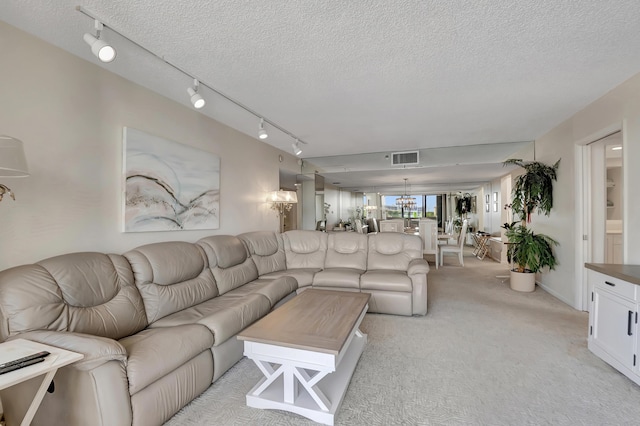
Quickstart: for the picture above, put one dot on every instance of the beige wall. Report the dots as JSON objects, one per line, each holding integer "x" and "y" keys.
{"x": 619, "y": 107}
{"x": 70, "y": 113}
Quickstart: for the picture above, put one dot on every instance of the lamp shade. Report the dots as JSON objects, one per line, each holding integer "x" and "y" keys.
{"x": 283, "y": 197}
{"x": 13, "y": 162}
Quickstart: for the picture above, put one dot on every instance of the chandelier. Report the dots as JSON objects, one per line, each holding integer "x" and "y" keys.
{"x": 406, "y": 202}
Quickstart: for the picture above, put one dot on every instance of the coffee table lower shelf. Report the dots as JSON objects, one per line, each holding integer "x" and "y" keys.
{"x": 293, "y": 387}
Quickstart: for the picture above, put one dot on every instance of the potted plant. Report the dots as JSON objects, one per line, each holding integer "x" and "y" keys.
{"x": 529, "y": 252}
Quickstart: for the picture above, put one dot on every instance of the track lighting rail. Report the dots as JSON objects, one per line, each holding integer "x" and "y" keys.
{"x": 251, "y": 111}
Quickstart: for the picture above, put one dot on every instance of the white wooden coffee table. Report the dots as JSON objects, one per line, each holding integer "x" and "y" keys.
{"x": 307, "y": 350}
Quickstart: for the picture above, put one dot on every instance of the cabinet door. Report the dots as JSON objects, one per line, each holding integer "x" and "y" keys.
{"x": 614, "y": 326}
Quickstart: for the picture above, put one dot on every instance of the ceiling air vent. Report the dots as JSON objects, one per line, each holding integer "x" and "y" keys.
{"x": 404, "y": 158}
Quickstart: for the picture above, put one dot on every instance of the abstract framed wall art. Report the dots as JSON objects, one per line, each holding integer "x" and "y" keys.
{"x": 168, "y": 186}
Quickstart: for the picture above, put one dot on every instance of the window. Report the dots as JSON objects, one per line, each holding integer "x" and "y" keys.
{"x": 431, "y": 203}
{"x": 390, "y": 210}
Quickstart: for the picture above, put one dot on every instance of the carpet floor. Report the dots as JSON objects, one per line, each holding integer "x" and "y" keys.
{"x": 483, "y": 355}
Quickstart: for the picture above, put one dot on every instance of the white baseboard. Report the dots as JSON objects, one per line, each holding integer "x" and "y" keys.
{"x": 558, "y": 296}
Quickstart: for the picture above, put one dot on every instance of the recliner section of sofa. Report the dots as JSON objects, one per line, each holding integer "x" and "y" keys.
{"x": 396, "y": 275}
{"x": 305, "y": 252}
{"x": 88, "y": 303}
{"x": 345, "y": 262}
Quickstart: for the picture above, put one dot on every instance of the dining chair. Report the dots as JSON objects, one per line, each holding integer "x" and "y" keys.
{"x": 428, "y": 230}
{"x": 455, "y": 248}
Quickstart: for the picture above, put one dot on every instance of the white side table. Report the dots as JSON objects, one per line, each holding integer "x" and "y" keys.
{"x": 19, "y": 348}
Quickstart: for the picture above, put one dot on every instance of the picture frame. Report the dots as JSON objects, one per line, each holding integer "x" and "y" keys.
{"x": 168, "y": 186}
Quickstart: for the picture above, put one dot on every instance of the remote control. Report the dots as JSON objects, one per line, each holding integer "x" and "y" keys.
{"x": 23, "y": 359}
{"x": 21, "y": 365}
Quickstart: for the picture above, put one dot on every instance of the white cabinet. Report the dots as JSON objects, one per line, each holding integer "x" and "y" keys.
{"x": 613, "y": 323}
{"x": 614, "y": 328}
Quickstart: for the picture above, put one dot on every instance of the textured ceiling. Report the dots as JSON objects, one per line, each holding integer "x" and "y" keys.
{"x": 365, "y": 76}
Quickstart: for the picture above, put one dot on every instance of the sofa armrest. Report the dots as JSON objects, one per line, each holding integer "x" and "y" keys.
{"x": 96, "y": 350}
{"x": 418, "y": 266}
{"x": 417, "y": 271}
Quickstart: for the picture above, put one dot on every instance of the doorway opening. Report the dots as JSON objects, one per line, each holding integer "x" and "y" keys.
{"x": 600, "y": 185}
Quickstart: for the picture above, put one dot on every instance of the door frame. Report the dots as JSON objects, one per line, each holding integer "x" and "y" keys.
{"x": 584, "y": 223}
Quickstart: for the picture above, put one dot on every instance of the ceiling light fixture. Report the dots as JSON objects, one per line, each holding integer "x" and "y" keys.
{"x": 100, "y": 23}
{"x": 101, "y": 49}
{"x": 296, "y": 148}
{"x": 406, "y": 202}
{"x": 197, "y": 100}
{"x": 616, "y": 148}
{"x": 262, "y": 133}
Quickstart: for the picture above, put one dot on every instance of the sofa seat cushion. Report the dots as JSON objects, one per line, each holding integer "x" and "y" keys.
{"x": 154, "y": 353}
{"x": 275, "y": 274}
{"x": 338, "y": 277}
{"x": 304, "y": 276}
{"x": 274, "y": 290}
{"x": 386, "y": 280}
{"x": 224, "y": 315}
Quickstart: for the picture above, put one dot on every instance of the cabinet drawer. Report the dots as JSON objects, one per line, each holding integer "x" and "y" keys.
{"x": 621, "y": 288}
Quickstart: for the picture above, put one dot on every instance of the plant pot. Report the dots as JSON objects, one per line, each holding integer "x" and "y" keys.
{"x": 523, "y": 281}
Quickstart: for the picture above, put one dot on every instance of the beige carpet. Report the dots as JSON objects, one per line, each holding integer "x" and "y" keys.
{"x": 483, "y": 355}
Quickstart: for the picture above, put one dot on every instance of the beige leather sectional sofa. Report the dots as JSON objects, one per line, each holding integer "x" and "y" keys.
{"x": 157, "y": 325}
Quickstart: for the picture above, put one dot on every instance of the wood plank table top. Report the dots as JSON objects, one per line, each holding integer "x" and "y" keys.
{"x": 315, "y": 320}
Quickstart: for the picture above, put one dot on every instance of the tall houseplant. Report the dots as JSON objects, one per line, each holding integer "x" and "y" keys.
{"x": 530, "y": 252}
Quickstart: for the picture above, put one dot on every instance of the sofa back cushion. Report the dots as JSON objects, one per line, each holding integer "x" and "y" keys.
{"x": 229, "y": 261}
{"x": 305, "y": 249}
{"x": 346, "y": 250}
{"x": 171, "y": 276}
{"x": 90, "y": 293}
{"x": 393, "y": 251}
{"x": 266, "y": 250}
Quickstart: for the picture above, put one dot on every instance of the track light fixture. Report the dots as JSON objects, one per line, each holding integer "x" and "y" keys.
{"x": 296, "y": 148}
{"x": 262, "y": 133}
{"x": 197, "y": 100}
{"x": 101, "y": 49}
